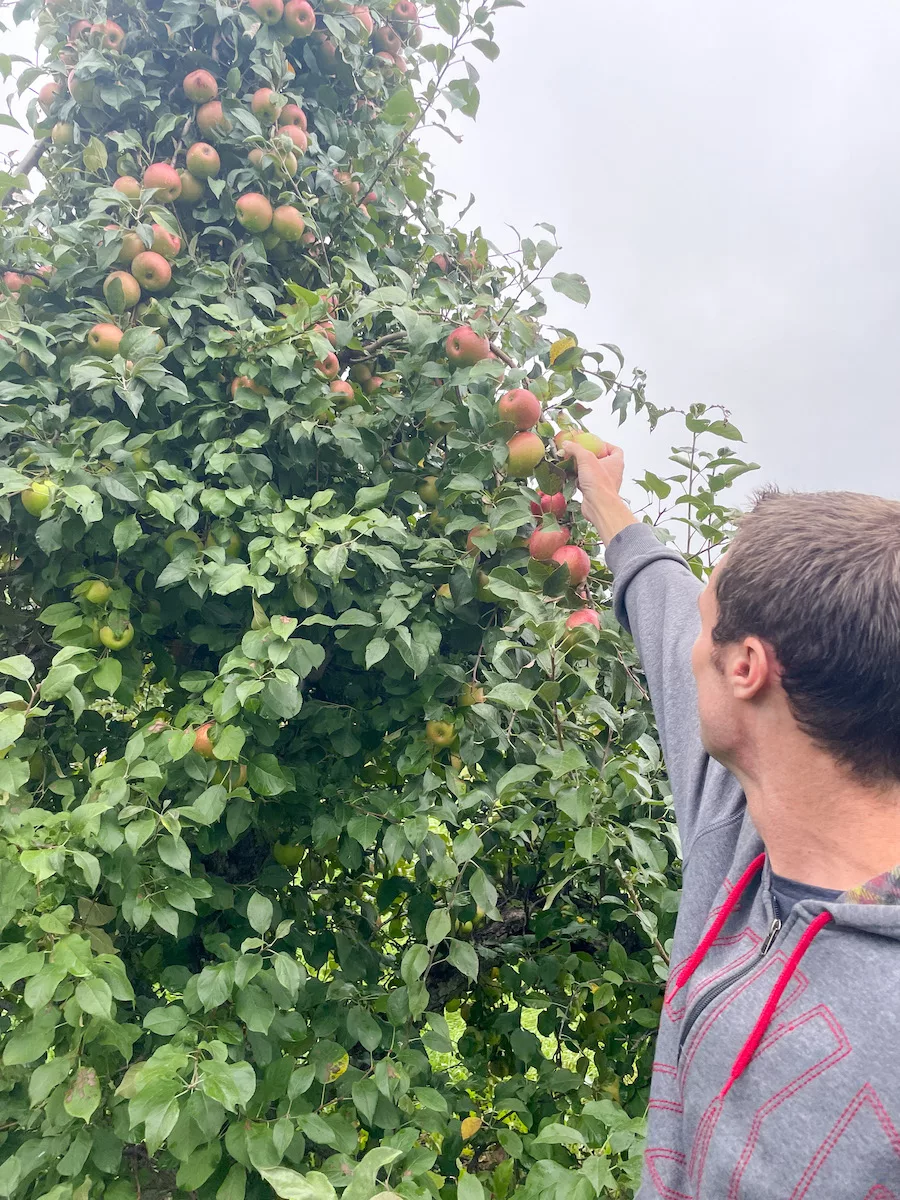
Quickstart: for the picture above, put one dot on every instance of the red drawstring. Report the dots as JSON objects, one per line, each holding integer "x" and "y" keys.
{"x": 716, "y": 928}
{"x": 759, "y": 1029}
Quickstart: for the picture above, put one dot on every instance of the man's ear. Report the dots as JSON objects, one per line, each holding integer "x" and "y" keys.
{"x": 752, "y": 669}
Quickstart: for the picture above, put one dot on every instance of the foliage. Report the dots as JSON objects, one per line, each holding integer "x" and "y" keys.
{"x": 307, "y": 951}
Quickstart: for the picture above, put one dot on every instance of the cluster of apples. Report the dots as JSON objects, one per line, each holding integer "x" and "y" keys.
{"x": 526, "y": 449}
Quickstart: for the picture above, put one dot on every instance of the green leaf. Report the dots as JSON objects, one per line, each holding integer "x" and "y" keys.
{"x": 375, "y": 651}
{"x": 12, "y": 726}
{"x": 513, "y": 695}
{"x": 18, "y": 667}
{"x": 437, "y": 927}
{"x": 83, "y": 1097}
{"x": 402, "y": 104}
{"x": 590, "y": 841}
{"x": 43, "y": 1079}
{"x": 559, "y": 1135}
{"x": 362, "y": 1026}
{"x": 469, "y": 1187}
{"x": 94, "y": 997}
{"x": 259, "y": 913}
{"x": 364, "y": 829}
{"x": 291, "y": 1185}
{"x": 234, "y": 1185}
{"x": 232, "y": 1084}
{"x": 94, "y": 155}
{"x": 572, "y": 286}
{"x": 265, "y": 775}
{"x": 464, "y": 957}
{"x": 126, "y": 533}
{"x": 108, "y": 676}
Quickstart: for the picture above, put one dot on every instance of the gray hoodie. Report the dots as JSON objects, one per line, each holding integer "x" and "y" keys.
{"x": 777, "y": 1073}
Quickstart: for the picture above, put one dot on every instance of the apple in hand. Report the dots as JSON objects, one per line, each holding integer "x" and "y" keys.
{"x": 581, "y": 437}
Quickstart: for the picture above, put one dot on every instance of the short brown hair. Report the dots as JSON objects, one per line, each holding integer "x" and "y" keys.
{"x": 817, "y": 576}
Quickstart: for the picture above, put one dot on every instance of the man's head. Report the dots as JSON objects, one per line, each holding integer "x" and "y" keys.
{"x": 801, "y": 623}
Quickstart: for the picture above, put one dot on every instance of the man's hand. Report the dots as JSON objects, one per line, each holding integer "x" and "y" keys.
{"x": 600, "y": 480}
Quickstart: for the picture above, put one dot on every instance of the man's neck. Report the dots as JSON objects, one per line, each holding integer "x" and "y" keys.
{"x": 820, "y": 824}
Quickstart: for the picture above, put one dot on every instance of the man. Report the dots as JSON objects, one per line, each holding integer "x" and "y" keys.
{"x": 777, "y": 694}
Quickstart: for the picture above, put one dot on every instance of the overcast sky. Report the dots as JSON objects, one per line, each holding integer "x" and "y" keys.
{"x": 726, "y": 178}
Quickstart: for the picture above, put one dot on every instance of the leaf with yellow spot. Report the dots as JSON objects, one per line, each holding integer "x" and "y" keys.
{"x": 337, "y": 1067}
{"x": 558, "y": 349}
{"x": 469, "y": 1127}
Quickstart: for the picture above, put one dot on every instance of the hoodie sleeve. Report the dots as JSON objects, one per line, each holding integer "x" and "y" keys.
{"x": 655, "y": 597}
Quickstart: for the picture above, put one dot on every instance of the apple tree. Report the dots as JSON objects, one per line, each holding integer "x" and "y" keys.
{"x": 335, "y": 850}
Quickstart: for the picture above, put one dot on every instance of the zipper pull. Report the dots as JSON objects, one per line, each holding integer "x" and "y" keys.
{"x": 770, "y": 938}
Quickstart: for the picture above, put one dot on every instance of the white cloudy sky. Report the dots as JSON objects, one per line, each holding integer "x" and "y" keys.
{"x": 725, "y": 177}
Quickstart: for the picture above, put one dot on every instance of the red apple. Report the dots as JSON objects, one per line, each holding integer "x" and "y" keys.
{"x": 192, "y": 188}
{"x": 254, "y": 212}
{"x": 576, "y": 560}
{"x": 78, "y": 29}
{"x": 525, "y": 452}
{"x": 244, "y": 381}
{"x": 521, "y": 407}
{"x": 326, "y": 50}
{"x": 165, "y": 243}
{"x": 131, "y": 245}
{"x": 164, "y": 180}
{"x": 544, "y": 543}
{"x": 404, "y": 16}
{"x": 583, "y": 616}
{"x": 293, "y": 114}
{"x": 48, "y": 94}
{"x": 555, "y": 504}
{"x": 480, "y": 530}
{"x": 202, "y": 160}
{"x": 341, "y": 387}
{"x": 288, "y": 223}
{"x": 440, "y": 262}
{"x": 121, "y": 291}
{"x": 113, "y": 35}
{"x": 465, "y": 347}
{"x": 128, "y": 186}
{"x": 202, "y": 743}
{"x": 298, "y": 136}
{"x": 211, "y": 118}
{"x": 269, "y": 12}
{"x": 364, "y": 17}
{"x": 151, "y": 271}
{"x": 264, "y": 104}
{"x": 386, "y": 40}
{"x": 200, "y": 86}
{"x": 299, "y": 18}
{"x": 104, "y": 339}
{"x": 329, "y": 366}
{"x": 13, "y": 281}
{"x": 327, "y": 330}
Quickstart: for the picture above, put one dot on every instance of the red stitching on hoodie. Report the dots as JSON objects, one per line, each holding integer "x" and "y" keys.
{"x": 866, "y": 1095}
{"x": 651, "y": 1155}
{"x": 841, "y": 1050}
{"x": 746, "y": 935}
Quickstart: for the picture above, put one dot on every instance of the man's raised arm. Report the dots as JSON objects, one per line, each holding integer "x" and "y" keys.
{"x": 655, "y": 596}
